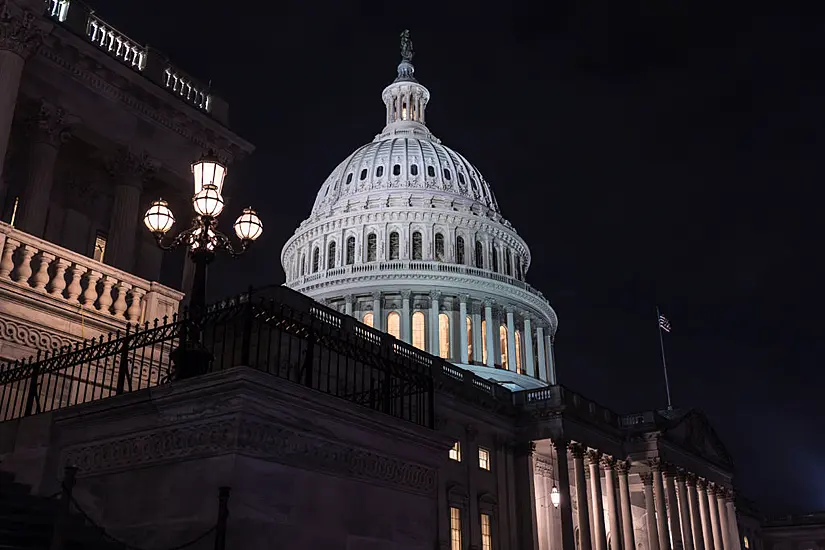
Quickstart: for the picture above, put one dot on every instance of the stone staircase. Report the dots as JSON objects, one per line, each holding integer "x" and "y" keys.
{"x": 27, "y": 521}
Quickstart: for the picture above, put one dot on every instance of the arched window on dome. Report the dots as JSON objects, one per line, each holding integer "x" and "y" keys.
{"x": 394, "y": 324}
{"x": 508, "y": 262}
{"x": 484, "y": 341}
{"x": 475, "y": 187}
{"x": 431, "y": 171}
{"x": 519, "y": 268}
{"x": 363, "y": 174}
{"x": 372, "y": 247}
{"x": 495, "y": 258}
{"x": 416, "y": 246}
{"x": 331, "y": 255}
{"x": 350, "y": 250}
{"x": 414, "y": 169}
{"x": 459, "y": 250}
{"x": 447, "y": 174}
{"x": 395, "y": 246}
{"x": 519, "y": 367}
{"x": 479, "y": 255}
{"x": 439, "y": 247}
{"x": 379, "y": 171}
{"x": 444, "y": 336}
{"x": 369, "y": 319}
{"x": 469, "y": 322}
{"x": 502, "y": 336}
{"x": 349, "y": 178}
{"x": 396, "y": 169}
{"x": 316, "y": 259}
{"x": 418, "y": 331}
{"x": 461, "y": 179}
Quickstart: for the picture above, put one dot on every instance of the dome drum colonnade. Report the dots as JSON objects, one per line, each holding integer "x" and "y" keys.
{"x": 406, "y": 216}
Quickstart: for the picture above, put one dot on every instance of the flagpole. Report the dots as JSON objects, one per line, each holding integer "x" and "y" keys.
{"x": 664, "y": 361}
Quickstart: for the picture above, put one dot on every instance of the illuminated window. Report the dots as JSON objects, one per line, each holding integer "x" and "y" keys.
{"x": 394, "y": 246}
{"x": 483, "y": 458}
{"x": 350, "y": 250}
{"x": 416, "y": 246}
{"x": 486, "y": 533}
{"x": 418, "y": 332}
{"x": 746, "y": 542}
{"x": 394, "y": 324}
{"x": 316, "y": 259}
{"x": 331, "y": 255}
{"x": 479, "y": 255}
{"x": 100, "y": 245}
{"x": 469, "y": 339}
{"x": 455, "y": 452}
{"x": 459, "y": 250}
{"x": 372, "y": 247}
{"x": 439, "y": 247}
{"x": 502, "y": 336}
{"x": 455, "y": 529}
{"x": 518, "y": 352}
{"x": 444, "y": 335}
{"x": 484, "y": 341}
{"x": 369, "y": 319}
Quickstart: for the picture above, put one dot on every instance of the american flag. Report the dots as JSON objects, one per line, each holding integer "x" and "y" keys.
{"x": 664, "y": 324}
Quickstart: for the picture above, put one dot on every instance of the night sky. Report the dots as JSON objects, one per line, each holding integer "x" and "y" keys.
{"x": 649, "y": 153}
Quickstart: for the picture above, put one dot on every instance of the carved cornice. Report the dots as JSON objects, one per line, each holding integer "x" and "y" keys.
{"x": 542, "y": 467}
{"x": 265, "y": 440}
{"x": 20, "y": 32}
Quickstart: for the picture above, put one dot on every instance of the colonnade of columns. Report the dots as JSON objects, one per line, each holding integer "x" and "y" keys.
{"x": 681, "y": 511}
{"x": 478, "y": 331}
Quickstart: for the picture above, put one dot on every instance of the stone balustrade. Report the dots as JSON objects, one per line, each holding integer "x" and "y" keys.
{"x": 75, "y": 280}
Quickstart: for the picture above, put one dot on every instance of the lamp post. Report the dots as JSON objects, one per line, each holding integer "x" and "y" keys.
{"x": 203, "y": 240}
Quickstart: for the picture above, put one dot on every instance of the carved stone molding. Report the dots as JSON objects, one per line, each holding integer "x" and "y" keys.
{"x": 267, "y": 441}
{"x": 608, "y": 462}
{"x": 130, "y": 167}
{"x": 690, "y": 479}
{"x": 19, "y": 31}
{"x": 593, "y": 456}
{"x": 33, "y": 337}
{"x": 623, "y": 467}
{"x": 405, "y": 294}
{"x": 50, "y": 124}
{"x": 543, "y": 467}
{"x": 576, "y": 450}
{"x": 646, "y": 477}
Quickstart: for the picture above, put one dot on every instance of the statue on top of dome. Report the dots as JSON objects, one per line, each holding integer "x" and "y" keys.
{"x": 407, "y": 51}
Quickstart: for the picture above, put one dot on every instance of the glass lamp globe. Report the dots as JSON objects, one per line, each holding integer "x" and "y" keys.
{"x": 248, "y": 226}
{"x": 159, "y": 218}
{"x": 555, "y": 497}
{"x": 208, "y": 171}
{"x": 208, "y": 202}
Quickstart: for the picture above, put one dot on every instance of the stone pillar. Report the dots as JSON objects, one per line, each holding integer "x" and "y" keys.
{"x": 551, "y": 360}
{"x": 542, "y": 353}
{"x": 540, "y": 470}
{"x": 650, "y": 511}
{"x": 661, "y": 508}
{"x": 684, "y": 512}
{"x": 724, "y": 529}
{"x": 478, "y": 336}
{"x": 713, "y": 513}
{"x": 568, "y": 540}
{"x": 599, "y": 533}
{"x": 512, "y": 362}
{"x": 377, "y": 315}
{"x": 673, "y": 510}
{"x": 581, "y": 498}
{"x": 48, "y": 129}
{"x": 528, "y": 347}
{"x": 406, "y": 317}
{"x": 462, "y": 329}
{"x": 348, "y": 300}
{"x": 525, "y": 495}
{"x": 629, "y": 538}
{"x": 733, "y": 522}
{"x": 128, "y": 171}
{"x": 491, "y": 345}
{"x": 435, "y": 347}
{"x": 695, "y": 514}
{"x": 612, "y": 505}
{"x": 707, "y": 534}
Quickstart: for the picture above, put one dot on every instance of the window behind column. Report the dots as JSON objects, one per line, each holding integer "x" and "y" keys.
{"x": 469, "y": 339}
{"x": 439, "y": 247}
{"x": 369, "y": 319}
{"x": 100, "y": 245}
{"x": 484, "y": 341}
{"x": 444, "y": 335}
{"x": 331, "y": 255}
{"x": 394, "y": 324}
{"x": 502, "y": 335}
{"x": 416, "y": 246}
{"x": 350, "y": 250}
{"x": 418, "y": 332}
{"x": 372, "y": 247}
{"x": 479, "y": 255}
{"x": 316, "y": 259}
{"x": 495, "y": 258}
{"x": 519, "y": 367}
{"x": 508, "y": 265}
{"x": 459, "y": 250}
{"x": 394, "y": 246}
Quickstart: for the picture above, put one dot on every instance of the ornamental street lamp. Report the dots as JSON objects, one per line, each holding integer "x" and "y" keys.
{"x": 203, "y": 240}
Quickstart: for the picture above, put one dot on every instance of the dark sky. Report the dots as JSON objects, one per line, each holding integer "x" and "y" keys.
{"x": 649, "y": 153}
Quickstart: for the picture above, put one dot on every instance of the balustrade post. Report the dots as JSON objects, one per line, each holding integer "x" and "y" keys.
{"x": 119, "y": 306}
{"x": 104, "y": 301}
{"x": 90, "y": 295}
{"x": 64, "y": 508}
{"x": 41, "y": 278}
{"x": 58, "y": 282}
{"x": 23, "y": 270}
{"x": 7, "y": 261}
{"x": 135, "y": 309}
{"x": 74, "y": 289}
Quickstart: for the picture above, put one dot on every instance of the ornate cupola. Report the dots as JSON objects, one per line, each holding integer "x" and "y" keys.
{"x": 405, "y": 98}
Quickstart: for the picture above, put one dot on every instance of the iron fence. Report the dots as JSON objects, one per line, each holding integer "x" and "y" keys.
{"x": 274, "y": 330}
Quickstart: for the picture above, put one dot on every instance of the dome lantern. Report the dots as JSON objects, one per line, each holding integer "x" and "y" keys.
{"x": 405, "y": 98}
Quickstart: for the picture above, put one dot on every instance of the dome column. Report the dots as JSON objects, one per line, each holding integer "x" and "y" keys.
{"x": 406, "y": 319}
{"x": 528, "y": 345}
{"x": 511, "y": 340}
{"x": 348, "y": 299}
{"x": 542, "y": 354}
{"x": 551, "y": 360}
{"x": 488, "y": 316}
{"x": 462, "y": 328}
{"x": 478, "y": 337}
{"x": 434, "y": 332}
{"x": 377, "y": 317}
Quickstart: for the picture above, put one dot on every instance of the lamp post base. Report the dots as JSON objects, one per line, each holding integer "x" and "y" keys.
{"x": 190, "y": 359}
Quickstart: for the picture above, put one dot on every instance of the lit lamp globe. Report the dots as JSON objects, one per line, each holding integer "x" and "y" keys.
{"x": 248, "y": 226}
{"x": 159, "y": 218}
{"x": 555, "y": 497}
{"x": 208, "y": 171}
{"x": 208, "y": 202}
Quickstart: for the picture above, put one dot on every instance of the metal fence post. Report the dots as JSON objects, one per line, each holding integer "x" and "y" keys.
{"x": 32, "y": 397}
{"x": 223, "y": 516}
{"x": 59, "y": 531}
{"x": 124, "y": 362}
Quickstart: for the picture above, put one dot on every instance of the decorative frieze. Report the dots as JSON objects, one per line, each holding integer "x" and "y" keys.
{"x": 31, "y": 336}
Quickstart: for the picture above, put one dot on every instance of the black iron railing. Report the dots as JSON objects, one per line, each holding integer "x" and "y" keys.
{"x": 274, "y": 329}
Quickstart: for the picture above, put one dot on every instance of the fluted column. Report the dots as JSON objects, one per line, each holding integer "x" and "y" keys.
{"x": 434, "y": 332}
{"x": 581, "y": 498}
{"x": 733, "y": 522}
{"x": 612, "y": 505}
{"x": 724, "y": 529}
{"x": 551, "y": 359}
{"x": 48, "y": 129}
{"x": 478, "y": 336}
{"x": 542, "y": 353}
{"x": 673, "y": 510}
{"x": 704, "y": 514}
{"x": 661, "y": 508}
{"x": 695, "y": 514}
{"x": 377, "y": 315}
{"x": 713, "y": 513}
{"x": 528, "y": 346}
{"x": 348, "y": 300}
{"x": 684, "y": 512}
{"x": 568, "y": 540}
{"x": 511, "y": 340}
{"x": 599, "y": 533}
{"x": 650, "y": 511}
{"x": 406, "y": 317}
{"x": 491, "y": 348}
{"x": 629, "y": 535}
{"x": 462, "y": 328}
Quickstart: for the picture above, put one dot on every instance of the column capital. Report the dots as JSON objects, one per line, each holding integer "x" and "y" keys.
{"x": 510, "y": 309}
{"x": 130, "y": 166}
{"x": 376, "y": 294}
{"x": 561, "y": 445}
{"x": 608, "y": 462}
{"x": 20, "y": 31}
{"x": 702, "y": 484}
{"x": 681, "y": 476}
{"x": 576, "y": 450}
{"x": 489, "y": 302}
{"x": 593, "y": 456}
{"x": 690, "y": 479}
{"x": 349, "y": 298}
{"x": 435, "y": 295}
{"x": 656, "y": 465}
{"x": 405, "y": 294}
{"x": 647, "y": 478}
{"x": 50, "y": 124}
{"x": 463, "y": 298}
{"x": 623, "y": 466}
{"x": 729, "y": 495}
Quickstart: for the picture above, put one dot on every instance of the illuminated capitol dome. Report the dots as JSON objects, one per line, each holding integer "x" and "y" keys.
{"x": 406, "y": 236}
